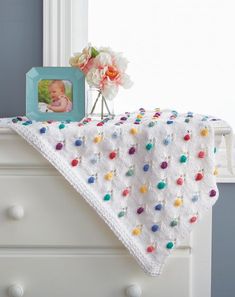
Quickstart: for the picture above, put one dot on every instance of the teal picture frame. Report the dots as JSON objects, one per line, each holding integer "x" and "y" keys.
{"x": 77, "y": 79}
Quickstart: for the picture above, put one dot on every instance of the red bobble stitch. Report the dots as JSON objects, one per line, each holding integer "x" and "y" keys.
{"x": 112, "y": 155}
{"x": 193, "y": 219}
{"x": 201, "y": 154}
{"x": 150, "y": 249}
{"x": 187, "y": 137}
{"x": 74, "y": 162}
{"x": 100, "y": 124}
{"x": 125, "y": 192}
{"x": 199, "y": 176}
{"x": 180, "y": 181}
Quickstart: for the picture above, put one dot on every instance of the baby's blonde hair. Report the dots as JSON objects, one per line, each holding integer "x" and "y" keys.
{"x": 60, "y": 83}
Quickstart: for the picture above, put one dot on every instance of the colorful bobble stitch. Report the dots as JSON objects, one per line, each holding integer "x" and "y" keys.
{"x": 151, "y": 124}
{"x": 98, "y": 139}
{"x": 112, "y": 155}
{"x": 149, "y": 146}
{"x": 143, "y": 189}
{"x": 133, "y": 131}
{"x": 78, "y": 142}
{"x": 125, "y": 192}
{"x": 204, "y": 132}
{"x": 201, "y": 154}
{"x": 164, "y": 165}
{"x": 199, "y": 176}
{"x": 91, "y": 180}
{"x": 74, "y": 162}
{"x": 195, "y": 198}
{"x": 121, "y": 214}
{"x": 59, "y": 146}
{"x": 155, "y": 228}
{"x": 107, "y": 197}
{"x": 178, "y": 202}
{"x": 212, "y": 193}
{"x": 183, "y": 159}
{"x": 109, "y": 176}
{"x": 167, "y": 140}
{"x": 42, "y": 130}
{"x": 150, "y": 249}
{"x": 158, "y": 207}
{"x": 146, "y": 167}
{"x": 114, "y": 135}
{"x": 187, "y": 137}
{"x": 169, "y": 245}
{"x": 130, "y": 172}
{"x": 136, "y": 231}
{"x": 132, "y": 150}
{"x": 161, "y": 185}
{"x": 174, "y": 223}
{"x": 140, "y": 210}
{"x": 180, "y": 181}
{"x": 61, "y": 126}
{"x": 193, "y": 219}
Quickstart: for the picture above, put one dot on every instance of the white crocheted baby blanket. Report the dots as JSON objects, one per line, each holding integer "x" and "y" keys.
{"x": 149, "y": 175}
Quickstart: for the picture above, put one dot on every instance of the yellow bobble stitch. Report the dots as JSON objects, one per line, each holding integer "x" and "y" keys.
{"x": 178, "y": 202}
{"x": 143, "y": 189}
{"x": 216, "y": 172}
{"x": 133, "y": 131}
{"x": 204, "y": 132}
{"x": 98, "y": 139}
{"x": 108, "y": 176}
{"x": 136, "y": 231}
{"x": 139, "y": 116}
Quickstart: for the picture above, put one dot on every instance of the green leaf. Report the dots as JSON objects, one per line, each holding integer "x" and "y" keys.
{"x": 94, "y": 52}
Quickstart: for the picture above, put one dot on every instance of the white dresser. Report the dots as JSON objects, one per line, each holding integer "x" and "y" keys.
{"x": 53, "y": 244}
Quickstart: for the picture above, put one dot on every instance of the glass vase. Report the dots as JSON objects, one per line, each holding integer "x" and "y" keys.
{"x": 97, "y": 106}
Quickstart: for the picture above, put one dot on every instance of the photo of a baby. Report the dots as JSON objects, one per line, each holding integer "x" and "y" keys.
{"x": 55, "y": 96}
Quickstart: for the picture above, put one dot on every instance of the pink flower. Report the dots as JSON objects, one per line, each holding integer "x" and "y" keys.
{"x": 104, "y": 69}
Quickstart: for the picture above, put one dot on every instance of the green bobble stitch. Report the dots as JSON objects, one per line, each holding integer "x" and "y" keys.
{"x": 183, "y": 159}
{"x": 61, "y": 126}
{"x": 121, "y": 214}
{"x": 149, "y": 146}
{"x": 173, "y": 223}
{"x": 107, "y": 197}
{"x": 161, "y": 185}
{"x": 137, "y": 120}
{"x": 170, "y": 245}
{"x": 215, "y": 149}
{"x": 151, "y": 124}
{"x": 130, "y": 172}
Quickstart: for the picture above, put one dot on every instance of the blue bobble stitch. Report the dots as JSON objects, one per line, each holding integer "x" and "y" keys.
{"x": 158, "y": 207}
{"x": 146, "y": 167}
{"x": 78, "y": 142}
{"x": 91, "y": 180}
{"x": 155, "y": 228}
{"x": 42, "y": 130}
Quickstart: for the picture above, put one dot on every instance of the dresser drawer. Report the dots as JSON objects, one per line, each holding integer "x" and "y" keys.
{"x": 54, "y": 214}
{"x": 93, "y": 275}
{"x": 14, "y": 150}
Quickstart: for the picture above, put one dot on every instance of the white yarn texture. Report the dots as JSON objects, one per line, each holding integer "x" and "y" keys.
{"x": 156, "y": 137}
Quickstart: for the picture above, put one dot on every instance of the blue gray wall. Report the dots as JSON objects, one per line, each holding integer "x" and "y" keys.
{"x": 21, "y": 49}
{"x": 223, "y": 256}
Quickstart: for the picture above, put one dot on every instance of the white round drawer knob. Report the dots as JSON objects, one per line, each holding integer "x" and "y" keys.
{"x": 16, "y": 212}
{"x": 133, "y": 291}
{"x": 15, "y": 291}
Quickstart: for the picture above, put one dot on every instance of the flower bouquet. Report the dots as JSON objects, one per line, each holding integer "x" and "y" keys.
{"x": 104, "y": 71}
